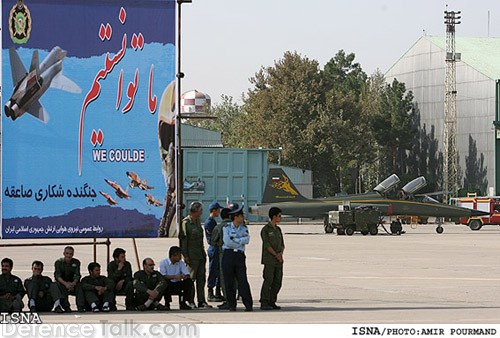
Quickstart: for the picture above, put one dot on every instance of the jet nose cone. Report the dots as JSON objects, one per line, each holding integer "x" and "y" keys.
{"x": 477, "y": 213}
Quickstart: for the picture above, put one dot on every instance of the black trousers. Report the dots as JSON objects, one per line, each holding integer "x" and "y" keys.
{"x": 234, "y": 266}
{"x": 182, "y": 288}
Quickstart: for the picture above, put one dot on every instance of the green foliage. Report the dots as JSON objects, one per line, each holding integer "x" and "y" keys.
{"x": 351, "y": 130}
{"x": 475, "y": 171}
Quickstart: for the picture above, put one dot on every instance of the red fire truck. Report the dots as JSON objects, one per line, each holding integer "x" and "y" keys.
{"x": 488, "y": 204}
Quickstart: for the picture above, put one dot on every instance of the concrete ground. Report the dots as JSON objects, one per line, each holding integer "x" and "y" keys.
{"x": 417, "y": 278}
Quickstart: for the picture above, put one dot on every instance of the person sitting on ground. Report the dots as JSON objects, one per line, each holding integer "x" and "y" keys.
{"x": 120, "y": 272}
{"x": 43, "y": 293}
{"x": 179, "y": 282}
{"x": 149, "y": 287}
{"x": 11, "y": 289}
{"x": 98, "y": 290}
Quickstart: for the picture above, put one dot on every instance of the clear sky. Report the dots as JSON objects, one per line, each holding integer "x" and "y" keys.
{"x": 225, "y": 42}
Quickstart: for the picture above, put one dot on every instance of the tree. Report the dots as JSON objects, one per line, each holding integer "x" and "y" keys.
{"x": 393, "y": 127}
{"x": 228, "y": 117}
{"x": 475, "y": 171}
{"x": 280, "y": 106}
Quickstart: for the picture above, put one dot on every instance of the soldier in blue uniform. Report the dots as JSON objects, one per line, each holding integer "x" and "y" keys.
{"x": 236, "y": 237}
{"x": 213, "y": 255}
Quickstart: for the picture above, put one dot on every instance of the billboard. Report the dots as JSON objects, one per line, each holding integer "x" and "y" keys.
{"x": 85, "y": 86}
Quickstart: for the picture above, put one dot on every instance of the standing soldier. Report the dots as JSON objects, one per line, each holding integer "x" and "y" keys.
{"x": 191, "y": 238}
{"x": 149, "y": 286}
{"x": 120, "y": 272}
{"x": 272, "y": 258}
{"x": 67, "y": 276}
{"x": 218, "y": 241}
{"x": 43, "y": 294}
{"x": 236, "y": 237}
{"x": 11, "y": 289}
{"x": 97, "y": 290}
{"x": 213, "y": 254}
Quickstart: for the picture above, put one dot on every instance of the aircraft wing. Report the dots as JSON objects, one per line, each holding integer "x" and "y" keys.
{"x": 17, "y": 67}
{"x": 63, "y": 83}
{"x": 37, "y": 110}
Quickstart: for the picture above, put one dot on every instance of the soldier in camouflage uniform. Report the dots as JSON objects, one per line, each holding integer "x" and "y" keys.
{"x": 11, "y": 289}
{"x": 43, "y": 294}
{"x": 191, "y": 238}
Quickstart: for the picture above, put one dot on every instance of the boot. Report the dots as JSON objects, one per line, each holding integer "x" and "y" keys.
{"x": 218, "y": 295}
{"x": 211, "y": 297}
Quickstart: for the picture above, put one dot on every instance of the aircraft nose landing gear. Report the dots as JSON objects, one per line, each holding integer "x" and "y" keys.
{"x": 439, "y": 228}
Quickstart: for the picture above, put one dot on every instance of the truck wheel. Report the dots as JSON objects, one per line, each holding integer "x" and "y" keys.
{"x": 364, "y": 232}
{"x": 328, "y": 228}
{"x": 373, "y": 230}
{"x": 349, "y": 231}
{"x": 340, "y": 232}
{"x": 475, "y": 224}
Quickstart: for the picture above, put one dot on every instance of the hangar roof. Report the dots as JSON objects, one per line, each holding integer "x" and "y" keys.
{"x": 483, "y": 54}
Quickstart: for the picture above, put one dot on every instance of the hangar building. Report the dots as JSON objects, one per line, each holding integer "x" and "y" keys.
{"x": 422, "y": 69}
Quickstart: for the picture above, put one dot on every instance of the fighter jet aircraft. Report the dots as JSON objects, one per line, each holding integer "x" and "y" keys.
{"x": 135, "y": 181}
{"x": 152, "y": 200}
{"x": 30, "y": 86}
{"x": 118, "y": 189}
{"x": 281, "y": 192}
{"x": 108, "y": 198}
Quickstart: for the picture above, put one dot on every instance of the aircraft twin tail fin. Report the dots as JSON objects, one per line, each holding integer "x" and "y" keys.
{"x": 17, "y": 67}
{"x": 279, "y": 188}
{"x": 35, "y": 64}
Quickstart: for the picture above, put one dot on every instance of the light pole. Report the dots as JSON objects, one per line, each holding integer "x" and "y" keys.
{"x": 178, "y": 148}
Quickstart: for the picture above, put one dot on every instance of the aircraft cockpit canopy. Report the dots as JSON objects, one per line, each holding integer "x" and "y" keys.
{"x": 387, "y": 184}
{"x": 413, "y": 186}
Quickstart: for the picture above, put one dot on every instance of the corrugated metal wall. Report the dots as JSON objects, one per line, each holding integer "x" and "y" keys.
{"x": 422, "y": 69}
{"x": 227, "y": 173}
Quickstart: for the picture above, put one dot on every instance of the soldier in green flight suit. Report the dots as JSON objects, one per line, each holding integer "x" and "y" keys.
{"x": 98, "y": 290}
{"x": 149, "y": 287}
{"x": 195, "y": 256}
{"x": 273, "y": 246}
{"x": 67, "y": 276}
{"x": 11, "y": 289}
{"x": 218, "y": 240}
{"x": 120, "y": 272}
{"x": 43, "y": 294}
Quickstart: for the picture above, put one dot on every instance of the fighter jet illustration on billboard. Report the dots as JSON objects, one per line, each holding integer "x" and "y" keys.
{"x": 30, "y": 86}
{"x": 152, "y": 200}
{"x": 118, "y": 189}
{"x": 108, "y": 198}
{"x": 135, "y": 181}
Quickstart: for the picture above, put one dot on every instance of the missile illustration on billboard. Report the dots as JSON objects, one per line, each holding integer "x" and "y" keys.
{"x": 30, "y": 86}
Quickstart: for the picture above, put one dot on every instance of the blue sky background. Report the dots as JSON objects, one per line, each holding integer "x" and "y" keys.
{"x": 226, "y": 42}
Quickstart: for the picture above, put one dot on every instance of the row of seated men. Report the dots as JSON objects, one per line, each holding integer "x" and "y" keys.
{"x": 95, "y": 292}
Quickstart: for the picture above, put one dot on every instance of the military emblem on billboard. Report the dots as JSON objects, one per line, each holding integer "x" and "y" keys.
{"x": 20, "y": 23}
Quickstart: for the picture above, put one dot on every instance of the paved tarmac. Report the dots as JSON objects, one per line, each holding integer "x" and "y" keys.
{"x": 417, "y": 278}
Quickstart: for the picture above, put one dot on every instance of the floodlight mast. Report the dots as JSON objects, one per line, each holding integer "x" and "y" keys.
{"x": 450, "y": 165}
